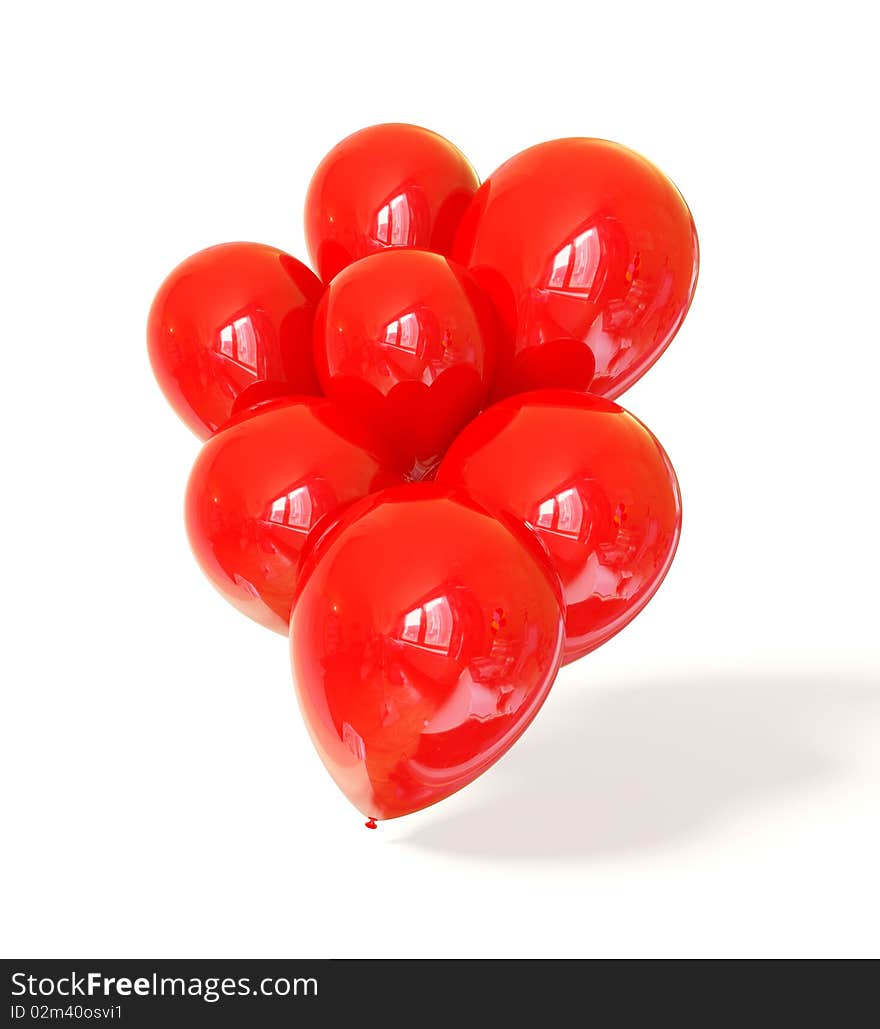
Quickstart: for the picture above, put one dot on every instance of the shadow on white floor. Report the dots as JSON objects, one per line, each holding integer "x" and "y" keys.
{"x": 645, "y": 766}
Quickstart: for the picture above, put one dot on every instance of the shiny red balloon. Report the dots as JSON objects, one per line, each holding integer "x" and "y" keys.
{"x": 232, "y": 321}
{"x": 385, "y": 186}
{"x": 596, "y": 487}
{"x": 406, "y": 341}
{"x": 424, "y": 638}
{"x": 590, "y": 254}
{"x": 262, "y": 484}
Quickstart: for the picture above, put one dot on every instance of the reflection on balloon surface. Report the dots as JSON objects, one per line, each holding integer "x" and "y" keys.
{"x": 396, "y": 223}
{"x": 424, "y": 638}
{"x": 238, "y": 343}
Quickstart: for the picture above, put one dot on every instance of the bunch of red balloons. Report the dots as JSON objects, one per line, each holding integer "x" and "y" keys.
{"x": 412, "y": 461}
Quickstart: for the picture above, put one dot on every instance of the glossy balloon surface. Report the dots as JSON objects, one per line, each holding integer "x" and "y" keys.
{"x": 590, "y": 254}
{"x": 425, "y": 636}
{"x": 406, "y": 341}
{"x": 385, "y": 186}
{"x": 261, "y": 485}
{"x": 596, "y": 487}
{"x": 231, "y": 320}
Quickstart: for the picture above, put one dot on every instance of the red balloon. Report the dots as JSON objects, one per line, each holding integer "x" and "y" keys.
{"x": 406, "y": 341}
{"x": 385, "y": 186}
{"x": 596, "y": 487}
{"x": 424, "y": 638}
{"x": 262, "y": 484}
{"x": 231, "y": 321}
{"x": 590, "y": 254}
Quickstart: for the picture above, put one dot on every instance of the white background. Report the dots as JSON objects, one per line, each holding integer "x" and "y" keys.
{"x": 705, "y": 784}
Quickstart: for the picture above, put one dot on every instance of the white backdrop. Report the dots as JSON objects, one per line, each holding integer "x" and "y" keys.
{"x": 708, "y": 782}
